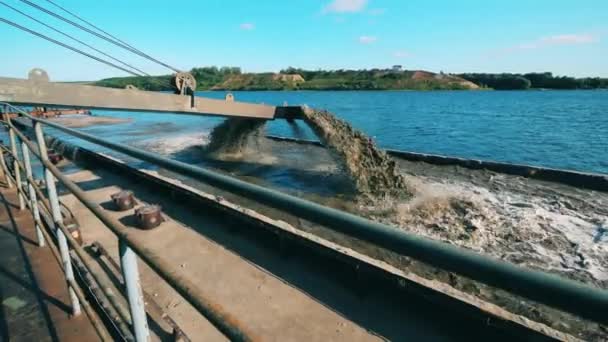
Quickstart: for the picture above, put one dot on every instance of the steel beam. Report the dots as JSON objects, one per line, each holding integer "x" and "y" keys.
{"x": 35, "y": 92}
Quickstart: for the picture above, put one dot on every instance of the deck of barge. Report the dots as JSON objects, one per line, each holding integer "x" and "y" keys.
{"x": 33, "y": 291}
{"x": 278, "y": 297}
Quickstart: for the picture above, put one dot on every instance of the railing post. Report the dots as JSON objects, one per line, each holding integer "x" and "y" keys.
{"x": 33, "y": 198}
{"x": 130, "y": 273}
{"x": 9, "y": 182}
{"x": 57, "y": 218}
{"x": 13, "y": 140}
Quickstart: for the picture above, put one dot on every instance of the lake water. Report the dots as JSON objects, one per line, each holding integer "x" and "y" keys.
{"x": 562, "y": 129}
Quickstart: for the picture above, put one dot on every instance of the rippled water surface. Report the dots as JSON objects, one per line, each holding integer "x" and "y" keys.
{"x": 563, "y": 129}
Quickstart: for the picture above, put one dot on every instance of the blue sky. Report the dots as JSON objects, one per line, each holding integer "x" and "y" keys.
{"x": 566, "y": 37}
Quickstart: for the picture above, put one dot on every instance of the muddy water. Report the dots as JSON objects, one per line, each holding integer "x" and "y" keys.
{"x": 371, "y": 169}
{"x": 373, "y": 172}
{"x": 232, "y": 138}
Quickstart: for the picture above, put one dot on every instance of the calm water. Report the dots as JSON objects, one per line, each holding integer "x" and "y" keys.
{"x": 563, "y": 129}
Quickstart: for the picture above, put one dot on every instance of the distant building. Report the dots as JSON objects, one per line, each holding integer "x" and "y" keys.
{"x": 397, "y": 68}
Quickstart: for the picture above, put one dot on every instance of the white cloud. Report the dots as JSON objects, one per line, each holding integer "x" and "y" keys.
{"x": 247, "y": 26}
{"x": 344, "y": 6}
{"x": 569, "y": 39}
{"x": 401, "y": 54}
{"x": 555, "y": 40}
{"x": 367, "y": 39}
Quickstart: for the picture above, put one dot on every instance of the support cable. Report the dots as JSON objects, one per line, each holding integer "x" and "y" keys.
{"x": 92, "y": 25}
{"x": 111, "y": 40}
{"x": 142, "y": 73}
{"x": 54, "y": 41}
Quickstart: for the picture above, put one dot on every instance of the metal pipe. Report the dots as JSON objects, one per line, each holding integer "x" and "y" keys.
{"x": 11, "y": 135}
{"x": 56, "y": 214}
{"x": 121, "y": 327}
{"x": 32, "y": 193}
{"x": 214, "y": 312}
{"x": 130, "y": 273}
{"x": 568, "y": 295}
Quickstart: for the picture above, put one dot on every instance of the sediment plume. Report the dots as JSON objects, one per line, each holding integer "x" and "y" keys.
{"x": 231, "y": 137}
{"x": 372, "y": 170}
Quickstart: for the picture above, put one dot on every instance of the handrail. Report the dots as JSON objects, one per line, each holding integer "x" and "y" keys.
{"x": 95, "y": 321}
{"x": 214, "y": 312}
{"x": 568, "y": 295}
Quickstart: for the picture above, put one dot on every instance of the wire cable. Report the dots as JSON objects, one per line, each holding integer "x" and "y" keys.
{"x": 115, "y": 42}
{"x": 67, "y": 46}
{"x": 92, "y": 25}
{"x": 75, "y": 39}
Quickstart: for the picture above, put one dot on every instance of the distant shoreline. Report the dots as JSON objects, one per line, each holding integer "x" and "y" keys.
{"x": 393, "y": 79}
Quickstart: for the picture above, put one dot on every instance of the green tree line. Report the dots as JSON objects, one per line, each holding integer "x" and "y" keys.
{"x": 544, "y": 80}
{"x": 232, "y": 78}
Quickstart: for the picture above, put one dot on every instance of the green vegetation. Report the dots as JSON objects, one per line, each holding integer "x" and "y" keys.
{"x": 544, "y": 80}
{"x": 231, "y": 78}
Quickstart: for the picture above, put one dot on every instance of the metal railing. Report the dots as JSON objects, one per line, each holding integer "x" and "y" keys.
{"x": 570, "y": 296}
{"x": 129, "y": 246}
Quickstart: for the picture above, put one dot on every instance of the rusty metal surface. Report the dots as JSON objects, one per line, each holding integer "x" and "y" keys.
{"x": 149, "y": 216}
{"x": 153, "y": 308}
{"x": 42, "y": 278}
{"x": 123, "y": 200}
{"x": 40, "y": 93}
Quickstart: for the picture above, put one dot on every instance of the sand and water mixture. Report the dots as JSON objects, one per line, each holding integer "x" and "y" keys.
{"x": 553, "y": 228}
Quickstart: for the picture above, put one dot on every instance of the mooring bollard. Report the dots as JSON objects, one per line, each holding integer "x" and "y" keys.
{"x": 13, "y": 141}
{"x": 33, "y": 198}
{"x": 130, "y": 273}
{"x": 57, "y": 219}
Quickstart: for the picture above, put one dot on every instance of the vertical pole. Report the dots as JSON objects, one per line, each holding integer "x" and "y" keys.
{"x": 57, "y": 219}
{"x": 33, "y": 200}
{"x": 9, "y": 183}
{"x": 13, "y": 140}
{"x": 130, "y": 273}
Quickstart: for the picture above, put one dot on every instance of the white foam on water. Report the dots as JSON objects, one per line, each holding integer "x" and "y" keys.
{"x": 524, "y": 228}
{"x": 173, "y": 144}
